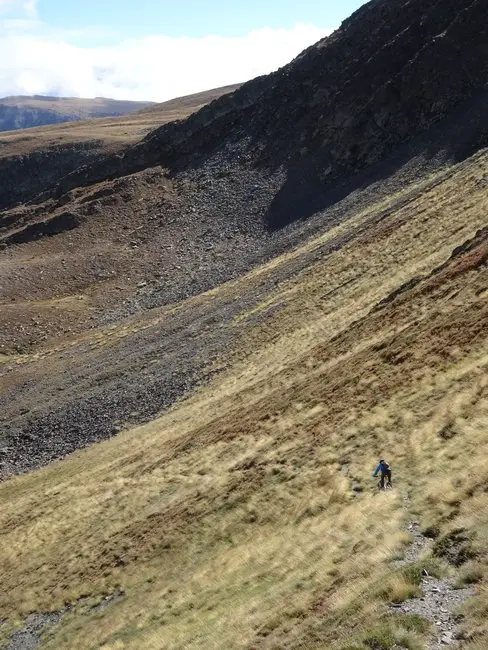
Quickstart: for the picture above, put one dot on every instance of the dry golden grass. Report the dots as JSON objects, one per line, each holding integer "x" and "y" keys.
{"x": 78, "y": 106}
{"x": 111, "y": 133}
{"x": 246, "y": 516}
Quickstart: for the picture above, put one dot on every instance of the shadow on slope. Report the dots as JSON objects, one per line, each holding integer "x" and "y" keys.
{"x": 305, "y": 192}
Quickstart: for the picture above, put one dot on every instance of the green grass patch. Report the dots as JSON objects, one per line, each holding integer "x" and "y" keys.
{"x": 470, "y": 574}
{"x": 408, "y": 630}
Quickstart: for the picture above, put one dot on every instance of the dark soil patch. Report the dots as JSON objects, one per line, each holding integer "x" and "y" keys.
{"x": 455, "y": 547}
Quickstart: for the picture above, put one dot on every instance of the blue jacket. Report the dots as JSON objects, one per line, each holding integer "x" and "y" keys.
{"x": 383, "y": 468}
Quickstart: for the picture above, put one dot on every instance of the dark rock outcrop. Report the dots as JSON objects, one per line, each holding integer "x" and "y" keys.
{"x": 25, "y": 176}
{"x": 393, "y": 70}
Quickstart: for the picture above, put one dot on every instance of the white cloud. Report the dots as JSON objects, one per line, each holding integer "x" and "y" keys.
{"x": 37, "y": 60}
{"x": 19, "y": 7}
{"x": 30, "y": 9}
{"x": 6, "y": 6}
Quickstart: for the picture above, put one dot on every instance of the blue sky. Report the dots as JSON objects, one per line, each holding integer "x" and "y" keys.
{"x": 150, "y": 49}
{"x": 193, "y": 18}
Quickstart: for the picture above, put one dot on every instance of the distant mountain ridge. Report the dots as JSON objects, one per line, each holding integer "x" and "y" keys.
{"x": 23, "y": 112}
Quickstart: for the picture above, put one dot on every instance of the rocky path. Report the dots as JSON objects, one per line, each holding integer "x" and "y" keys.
{"x": 440, "y": 599}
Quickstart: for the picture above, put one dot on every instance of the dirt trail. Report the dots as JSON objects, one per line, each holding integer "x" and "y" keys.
{"x": 440, "y": 599}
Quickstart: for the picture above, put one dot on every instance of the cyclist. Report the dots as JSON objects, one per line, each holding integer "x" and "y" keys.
{"x": 385, "y": 470}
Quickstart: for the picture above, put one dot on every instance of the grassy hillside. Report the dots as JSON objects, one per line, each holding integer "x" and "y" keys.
{"x": 33, "y": 111}
{"x": 81, "y": 107}
{"x": 246, "y": 516}
{"x": 110, "y": 132}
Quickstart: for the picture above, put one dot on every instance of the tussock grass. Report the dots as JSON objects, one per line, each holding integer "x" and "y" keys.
{"x": 246, "y": 517}
{"x": 477, "y": 644}
{"x": 407, "y": 631}
{"x": 472, "y": 573}
{"x": 398, "y": 588}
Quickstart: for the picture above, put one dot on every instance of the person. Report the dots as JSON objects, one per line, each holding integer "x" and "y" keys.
{"x": 385, "y": 470}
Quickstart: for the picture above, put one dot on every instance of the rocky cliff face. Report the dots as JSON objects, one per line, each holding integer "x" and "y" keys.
{"x": 23, "y": 177}
{"x": 393, "y": 70}
{"x": 397, "y": 74}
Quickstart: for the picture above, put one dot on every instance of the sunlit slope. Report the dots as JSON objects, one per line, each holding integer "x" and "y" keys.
{"x": 21, "y": 112}
{"x": 246, "y": 517}
{"x": 107, "y": 132}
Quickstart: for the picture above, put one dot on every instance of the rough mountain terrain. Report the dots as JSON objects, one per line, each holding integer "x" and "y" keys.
{"x": 24, "y": 112}
{"x": 392, "y": 71}
{"x": 31, "y": 159}
{"x": 255, "y": 303}
{"x": 200, "y": 201}
{"x": 440, "y": 597}
{"x": 244, "y": 517}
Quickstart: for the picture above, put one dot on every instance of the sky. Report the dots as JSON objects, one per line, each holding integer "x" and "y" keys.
{"x": 153, "y": 50}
